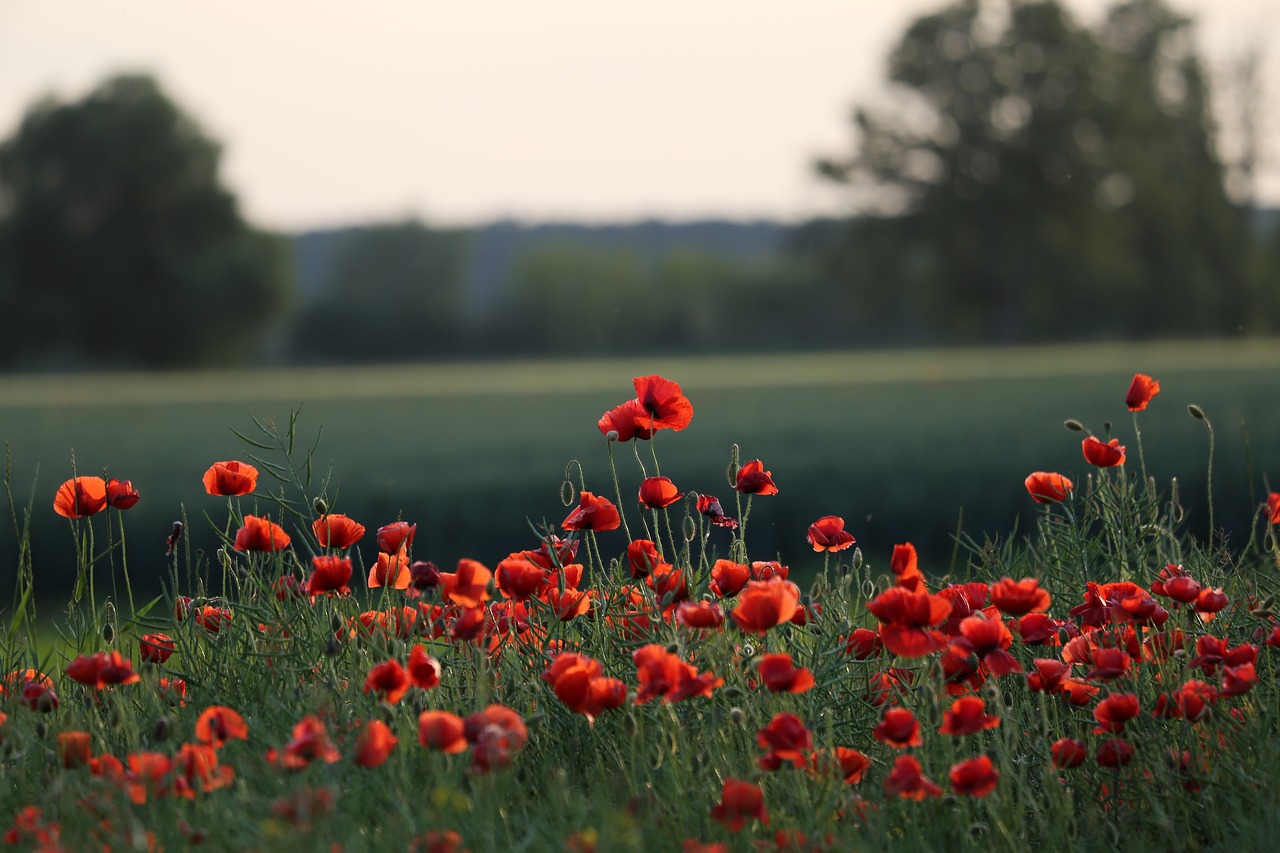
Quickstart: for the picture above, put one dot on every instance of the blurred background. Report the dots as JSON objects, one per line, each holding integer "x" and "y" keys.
{"x": 886, "y": 248}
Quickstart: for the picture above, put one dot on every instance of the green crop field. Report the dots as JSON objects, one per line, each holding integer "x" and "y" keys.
{"x": 897, "y": 442}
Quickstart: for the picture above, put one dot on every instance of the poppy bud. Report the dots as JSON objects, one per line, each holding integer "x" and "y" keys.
{"x": 566, "y": 493}
{"x": 108, "y": 633}
{"x": 1073, "y": 425}
{"x": 1195, "y": 412}
{"x": 856, "y": 559}
{"x": 160, "y": 729}
{"x": 224, "y": 559}
{"x": 611, "y": 435}
{"x": 737, "y": 715}
{"x": 319, "y": 505}
{"x": 690, "y": 529}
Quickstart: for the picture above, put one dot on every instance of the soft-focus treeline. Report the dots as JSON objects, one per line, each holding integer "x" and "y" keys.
{"x": 1031, "y": 179}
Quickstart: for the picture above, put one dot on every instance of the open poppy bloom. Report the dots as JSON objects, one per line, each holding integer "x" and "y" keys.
{"x": 1018, "y": 598}
{"x": 593, "y": 513}
{"x": 787, "y": 739}
{"x": 310, "y": 742}
{"x": 907, "y": 780}
{"x": 1102, "y": 455}
{"x": 80, "y": 496}
{"x": 219, "y": 724}
{"x": 101, "y": 669}
{"x": 1045, "y": 487}
{"x": 699, "y": 614}
{"x": 389, "y": 680}
{"x": 752, "y": 479}
{"x": 1068, "y": 752}
{"x": 390, "y": 570}
{"x": 230, "y": 479}
{"x": 966, "y": 716}
{"x": 898, "y": 728}
{"x": 579, "y": 682}
{"x": 739, "y": 802}
{"x": 728, "y": 578}
{"x": 662, "y": 674}
{"x": 336, "y": 531}
{"x": 619, "y": 423}
{"x": 329, "y": 574}
{"x": 121, "y": 494}
{"x": 496, "y": 734}
{"x": 828, "y": 534}
{"x": 766, "y": 604}
{"x": 261, "y": 534}
{"x": 1141, "y": 390}
{"x": 468, "y": 586}
{"x": 374, "y": 744}
{"x": 1114, "y": 711}
{"x": 663, "y": 404}
{"x": 643, "y": 557}
{"x": 519, "y": 577}
{"x": 974, "y": 777}
{"x": 442, "y": 731}
{"x": 906, "y": 620}
{"x": 780, "y": 675}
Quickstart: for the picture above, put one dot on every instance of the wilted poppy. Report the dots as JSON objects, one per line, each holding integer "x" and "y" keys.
{"x": 336, "y": 531}
{"x": 155, "y": 647}
{"x": 592, "y": 513}
{"x": 752, "y": 479}
{"x": 329, "y": 574}
{"x": 230, "y": 478}
{"x": 80, "y": 496}
{"x": 974, "y": 777}
{"x": 218, "y": 724}
{"x": 261, "y": 534}
{"x": 659, "y": 492}
{"x": 711, "y": 508}
{"x": 1102, "y": 455}
{"x": 1141, "y": 390}
{"x": 121, "y": 494}
{"x": 374, "y": 744}
{"x": 1045, "y": 487}
{"x": 899, "y": 728}
{"x": 766, "y": 604}
{"x": 828, "y": 534}
{"x": 907, "y": 780}
{"x": 966, "y": 716}
{"x": 442, "y": 731}
{"x": 1017, "y": 598}
{"x": 780, "y": 675}
{"x": 739, "y": 802}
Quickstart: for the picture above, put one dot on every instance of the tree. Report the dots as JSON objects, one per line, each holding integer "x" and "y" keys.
{"x": 122, "y": 246}
{"x": 1038, "y": 179}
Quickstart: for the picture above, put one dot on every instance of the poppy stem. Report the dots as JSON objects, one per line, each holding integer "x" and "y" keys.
{"x": 617, "y": 492}
{"x": 1137, "y": 436}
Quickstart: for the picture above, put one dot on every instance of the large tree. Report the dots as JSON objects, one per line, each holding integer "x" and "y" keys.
{"x": 121, "y": 246}
{"x": 1036, "y": 179}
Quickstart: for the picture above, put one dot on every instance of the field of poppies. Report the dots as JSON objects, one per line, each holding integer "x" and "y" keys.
{"x": 638, "y": 678}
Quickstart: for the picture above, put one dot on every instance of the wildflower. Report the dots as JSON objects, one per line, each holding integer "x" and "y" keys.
{"x": 310, "y": 742}
{"x": 1210, "y": 601}
{"x": 906, "y": 618}
{"x": 424, "y": 670}
{"x": 592, "y": 513}
{"x": 780, "y": 675}
{"x": 218, "y": 724}
{"x": 699, "y": 614}
{"x": 662, "y": 674}
{"x": 766, "y": 604}
{"x": 905, "y": 564}
{"x": 728, "y": 578}
{"x": 396, "y": 536}
{"x": 739, "y": 801}
{"x": 853, "y": 764}
{"x": 212, "y": 619}
{"x": 80, "y": 496}
{"x": 828, "y": 534}
{"x": 899, "y": 728}
{"x": 1114, "y": 753}
{"x": 1238, "y": 680}
{"x": 329, "y": 574}
{"x": 390, "y": 570}
{"x": 988, "y": 640}
{"x": 497, "y": 733}
{"x": 121, "y": 494}
{"x": 967, "y": 715}
{"x": 1018, "y": 598}
{"x": 172, "y": 690}
{"x": 974, "y": 777}
{"x": 520, "y": 578}
{"x": 438, "y": 841}
{"x": 1273, "y": 507}
{"x": 389, "y": 680}
{"x": 102, "y": 668}
{"x": 659, "y": 492}
{"x": 1045, "y": 487}
{"x": 1102, "y": 455}
{"x": 196, "y": 769}
{"x": 579, "y": 682}
{"x": 230, "y": 479}
{"x": 642, "y": 556}
{"x": 787, "y": 739}
{"x": 1114, "y": 711}
{"x": 663, "y": 404}
{"x": 621, "y": 422}
{"x": 442, "y": 731}
{"x": 468, "y": 586}
{"x": 75, "y": 748}
{"x": 374, "y": 744}
{"x": 1068, "y": 752}
{"x": 155, "y": 647}
{"x": 711, "y": 508}
{"x": 261, "y": 534}
{"x": 907, "y": 780}
{"x": 863, "y": 643}
{"x": 1109, "y": 664}
{"x": 1141, "y": 390}
{"x": 752, "y": 479}
{"x": 337, "y": 531}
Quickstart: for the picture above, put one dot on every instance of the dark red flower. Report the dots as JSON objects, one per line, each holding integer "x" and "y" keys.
{"x": 389, "y": 680}
{"x": 1141, "y": 390}
{"x": 659, "y": 492}
{"x": 898, "y": 728}
{"x": 1210, "y": 601}
{"x": 442, "y": 731}
{"x": 80, "y": 496}
{"x": 230, "y": 478}
{"x": 593, "y": 513}
{"x": 310, "y": 742}
{"x": 1114, "y": 752}
{"x": 155, "y": 648}
{"x": 101, "y": 669}
{"x": 828, "y": 534}
{"x": 329, "y": 574}
{"x": 1273, "y": 507}
{"x": 261, "y": 534}
{"x": 863, "y": 643}
{"x": 1018, "y": 598}
{"x": 752, "y": 479}
{"x": 907, "y": 780}
{"x": 1102, "y": 455}
{"x": 739, "y": 802}
{"x": 1045, "y": 487}
{"x": 906, "y": 617}
{"x": 974, "y": 777}
{"x": 121, "y": 494}
{"x": 520, "y": 578}
{"x": 780, "y": 675}
{"x": 1114, "y": 711}
{"x": 396, "y": 536}
{"x": 787, "y": 739}
{"x": 337, "y": 531}
{"x": 711, "y": 508}
{"x": 967, "y": 715}
{"x": 1068, "y": 752}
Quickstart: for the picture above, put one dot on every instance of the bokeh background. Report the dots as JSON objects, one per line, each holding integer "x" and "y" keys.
{"x": 886, "y": 248}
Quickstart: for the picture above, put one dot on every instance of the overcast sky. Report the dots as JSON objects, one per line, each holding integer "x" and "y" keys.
{"x": 460, "y": 112}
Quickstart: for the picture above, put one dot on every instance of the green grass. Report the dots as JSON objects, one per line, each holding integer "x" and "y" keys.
{"x": 897, "y": 442}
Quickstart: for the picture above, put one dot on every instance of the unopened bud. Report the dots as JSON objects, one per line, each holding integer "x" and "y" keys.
{"x": 690, "y": 529}
{"x": 1195, "y": 412}
{"x": 737, "y": 715}
{"x": 566, "y": 493}
{"x": 320, "y": 506}
{"x": 1073, "y": 425}
{"x": 108, "y": 633}
{"x": 160, "y": 729}
{"x": 611, "y": 435}
{"x": 856, "y": 559}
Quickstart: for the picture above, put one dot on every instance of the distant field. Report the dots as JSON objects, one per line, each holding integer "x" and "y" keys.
{"x": 896, "y": 442}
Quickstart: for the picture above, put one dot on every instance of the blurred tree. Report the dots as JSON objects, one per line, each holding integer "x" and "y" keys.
{"x": 1038, "y": 179}
{"x": 122, "y": 245}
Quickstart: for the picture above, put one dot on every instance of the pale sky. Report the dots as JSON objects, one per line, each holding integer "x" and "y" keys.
{"x": 461, "y": 112}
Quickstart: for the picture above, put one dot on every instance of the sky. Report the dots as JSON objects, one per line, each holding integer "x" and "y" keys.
{"x": 462, "y": 112}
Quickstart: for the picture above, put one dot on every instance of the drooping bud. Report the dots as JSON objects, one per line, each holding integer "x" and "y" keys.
{"x": 566, "y": 493}
{"x": 1195, "y": 412}
{"x": 690, "y": 528}
{"x": 1074, "y": 425}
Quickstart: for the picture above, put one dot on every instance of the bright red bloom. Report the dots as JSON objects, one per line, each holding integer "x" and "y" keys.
{"x": 728, "y": 578}
{"x": 988, "y": 639}
{"x": 659, "y": 492}
{"x": 261, "y": 534}
{"x": 787, "y": 739}
{"x": 374, "y": 744}
{"x": 662, "y": 674}
{"x": 711, "y": 508}
{"x": 905, "y": 564}
{"x": 905, "y": 618}
{"x": 1018, "y": 598}
{"x": 863, "y": 643}
{"x": 443, "y": 731}
{"x": 329, "y": 574}
{"x": 622, "y": 419}
{"x": 521, "y": 578}
{"x": 642, "y": 557}
{"x": 468, "y": 586}
{"x": 663, "y": 404}
{"x": 1114, "y": 711}
{"x": 1183, "y": 589}
{"x": 739, "y": 801}
{"x": 155, "y": 648}
{"x": 1114, "y": 753}
{"x": 592, "y": 513}
{"x": 907, "y": 780}
{"x": 828, "y": 534}
{"x": 975, "y": 777}
{"x": 1102, "y": 455}
{"x": 1192, "y": 700}
{"x": 1141, "y": 390}
{"x": 579, "y": 682}
{"x": 1109, "y": 663}
{"x": 310, "y": 742}
{"x": 853, "y": 764}
{"x": 218, "y": 724}
{"x": 390, "y": 570}
{"x": 389, "y": 680}
{"x": 1210, "y": 602}
{"x": 966, "y": 716}
{"x": 766, "y": 604}
{"x": 899, "y": 728}
{"x": 101, "y": 669}
{"x": 1045, "y": 487}
{"x": 80, "y": 496}
{"x": 394, "y": 537}
{"x": 780, "y": 675}
{"x": 424, "y": 670}
{"x": 700, "y": 614}
{"x": 1273, "y": 507}
{"x": 230, "y": 479}
{"x": 337, "y": 531}
{"x": 752, "y": 479}
{"x": 1068, "y": 752}
{"x": 121, "y": 494}
{"x": 1238, "y": 680}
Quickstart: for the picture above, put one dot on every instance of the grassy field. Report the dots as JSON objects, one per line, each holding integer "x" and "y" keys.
{"x": 899, "y": 443}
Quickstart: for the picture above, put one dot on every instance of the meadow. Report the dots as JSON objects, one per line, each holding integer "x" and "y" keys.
{"x": 639, "y": 672}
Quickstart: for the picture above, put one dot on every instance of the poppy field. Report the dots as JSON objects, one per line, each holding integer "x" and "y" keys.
{"x": 640, "y": 675}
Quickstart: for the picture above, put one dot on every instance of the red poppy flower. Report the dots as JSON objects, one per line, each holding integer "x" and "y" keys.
{"x": 899, "y": 728}
{"x": 336, "y": 531}
{"x": 218, "y": 724}
{"x": 1273, "y": 507}
{"x": 700, "y": 614}
{"x": 668, "y": 584}
{"x": 966, "y": 716}
{"x": 1114, "y": 711}
{"x": 592, "y": 513}
{"x": 711, "y": 508}
{"x": 424, "y": 670}
{"x": 329, "y": 574}
{"x": 211, "y": 618}
{"x": 787, "y": 739}
{"x": 394, "y": 537}
{"x": 1183, "y": 589}
{"x": 907, "y": 780}
{"x": 497, "y": 733}
{"x": 230, "y": 479}
{"x": 863, "y": 643}
{"x": 739, "y": 802}
{"x": 659, "y": 492}
{"x": 310, "y": 742}
{"x": 663, "y": 404}
{"x": 662, "y": 674}
{"x": 752, "y": 479}
{"x": 442, "y": 731}
{"x": 766, "y": 604}
{"x": 101, "y": 669}
{"x": 1068, "y": 752}
{"x": 828, "y": 534}
{"x": 1018, "y": 598}
{"x": 621, "y": 421}
{"x": 1238, "y": 680}
{"x": 389, "y": 680}
{"x": 853, "y": 764}
{"x": 80, "y": 496}
{"x": 780, "y": 675}
{"x": 261, "y": 534}
{"x": 988, "y": 639}
{"x": 1045, "y": 487}
{"x": 1114, "y": 753}
{"x": 121, "y": 494}
{"x": 1191, "y": 701}
{"x": 374, "y": 744}
{"x": 974, "y": 777}
{"x": 390, "y": 570}
{"x": 1141, "y": 390}
{"x": 728, "y": 578}
{"x": 642, "y": 556}
{"x": 468, "y": 586}
{"x": 1102, "y": 455}
{"x": 520, "y": 578}
{"x": 155, "y": 648}
{"x": 1210, "y": 601}
{"x": 75, "y": 749}
{"x": 906, "y": 617}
